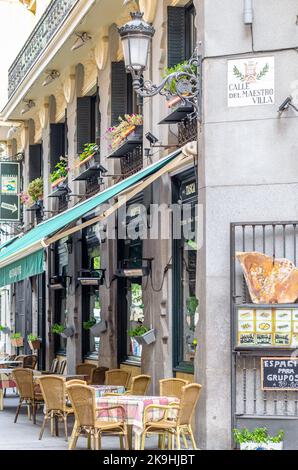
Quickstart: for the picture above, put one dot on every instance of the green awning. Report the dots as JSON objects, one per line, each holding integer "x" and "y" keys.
{"x": 29, "y": 247}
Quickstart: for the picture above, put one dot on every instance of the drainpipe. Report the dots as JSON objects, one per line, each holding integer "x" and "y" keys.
{"x": 248, "y": 13}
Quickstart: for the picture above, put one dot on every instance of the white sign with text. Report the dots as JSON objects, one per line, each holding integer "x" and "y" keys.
{"x": 251, "y": 81}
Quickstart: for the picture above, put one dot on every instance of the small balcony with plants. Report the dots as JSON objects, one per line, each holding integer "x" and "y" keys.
{"x": 32, "y": 198}
{"x": 59, "y": 180}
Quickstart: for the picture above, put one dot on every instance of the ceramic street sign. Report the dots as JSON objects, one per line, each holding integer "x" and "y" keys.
{"x": 9, "y": 191}
{"x": 251, "y": 81}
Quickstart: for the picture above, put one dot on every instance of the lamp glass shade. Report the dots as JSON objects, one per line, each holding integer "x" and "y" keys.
{"x": 135, "y": 50}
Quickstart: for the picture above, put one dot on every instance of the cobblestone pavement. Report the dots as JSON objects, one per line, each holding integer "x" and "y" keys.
{"x": 24, "y": 435}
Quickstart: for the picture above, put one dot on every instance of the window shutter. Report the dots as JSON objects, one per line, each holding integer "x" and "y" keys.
{"x": 176, "y": 36}
{"x": 119, "y": 100}
{"x": 97, "y": 119}
{"x": 84, "y": 122}
{"x": 57, "y": 143}
{"x": 65, "y": 134}
{"x": 35, "y": 161}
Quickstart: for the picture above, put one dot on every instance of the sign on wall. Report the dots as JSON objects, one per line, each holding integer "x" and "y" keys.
{"x": 279, "y": 373}
{"x": 267, "y": 327}
{"x": 251, "y": 81}
{"x": 9, "y": 191}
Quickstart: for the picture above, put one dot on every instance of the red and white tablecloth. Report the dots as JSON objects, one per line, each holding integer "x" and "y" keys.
{"x": 6, "y": 379}
{"x": 134, "y": 408}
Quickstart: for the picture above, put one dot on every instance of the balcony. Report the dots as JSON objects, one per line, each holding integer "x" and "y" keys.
{"x": 50, "y": 22}
{"x": 187, "y": 130}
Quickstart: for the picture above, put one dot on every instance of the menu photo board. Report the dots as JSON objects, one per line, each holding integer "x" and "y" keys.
{"x": 267, "y": 327}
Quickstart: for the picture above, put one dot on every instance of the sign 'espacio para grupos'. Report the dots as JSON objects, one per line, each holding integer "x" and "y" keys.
{"x": 279, "y": 373}
{"x": 251, "y": 81}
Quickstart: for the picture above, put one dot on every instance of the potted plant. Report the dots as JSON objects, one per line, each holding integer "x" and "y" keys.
{"x": 60, "y": 172}
{"x": 258, "y": 439}
{"x": 99, "y": 328}
{"x": 4, "y": 329}
{"x": 62, "y": 330}
{"x": 90, "y": 150}
{"x": 33, "y": 341}
{"x": 142, "y": 334}
{"x": 129, "y": 127}
{"x": 17, "y": 340}
{"x": 172, "y": 85}
{"x": 87, "y": 325}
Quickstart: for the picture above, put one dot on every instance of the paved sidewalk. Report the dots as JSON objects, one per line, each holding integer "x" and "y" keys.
{"x": 24, "y": 435}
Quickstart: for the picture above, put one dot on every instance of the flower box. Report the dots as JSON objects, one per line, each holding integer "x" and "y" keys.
{"x": 89, "y": 161}
{"x": 58, "y": 181}
{"x": 173, "y": 101}
{"x": 146, "y": 338}
{"x": 35, "y": 344}
{"x": 17, "y": 342}
{"x": 261, "y": 446}
{"x": 99, "y": 328}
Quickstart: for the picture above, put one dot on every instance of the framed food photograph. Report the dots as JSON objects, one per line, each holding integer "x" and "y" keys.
{"x": 295, "y": 314}
{"x": 246, "y": 339}
{"x": 282, "y": 339}
{"x": 245, "y": 314}
{"x": 295, "y": 326}
{"x": 283, "y": 326}
{"x": 263, "y": 326}
{"x": 264, "y": 339}
{"x": 245, "y": 326}
{"x": 283, "y": 315}
{"x": 264, "y": 315}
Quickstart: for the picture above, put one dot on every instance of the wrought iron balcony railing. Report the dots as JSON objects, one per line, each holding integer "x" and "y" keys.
{"x": 187, "y": 130}
{"x": 48, "y": 25}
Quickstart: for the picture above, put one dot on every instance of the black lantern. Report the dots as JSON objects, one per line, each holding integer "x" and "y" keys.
{"x": 136, "y": 36}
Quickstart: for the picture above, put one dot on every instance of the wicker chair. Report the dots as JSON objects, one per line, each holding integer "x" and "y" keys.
{"x": 28, "y": 392}
{"x": 61, "y": 367}
{"x": 54, "y": 393}
{"x": 75, "y": 382}
{"x": 30, "y": 361}
{"x": 98, "y": 376}
{"x": 117, "y": 377}
{"x": 177, "y": 425}
{"x": 20, "y": 357}
{"x": 87, "y": 421}
{"x": 139, "y": 385}
{"x": 85, "y": 369}
{"x": 53, "y": 369}
{"x": 172, "y": 387}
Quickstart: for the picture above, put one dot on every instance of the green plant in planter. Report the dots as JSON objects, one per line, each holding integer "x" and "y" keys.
{"x": 60, "y": 171}
{"x": 2, "y": 328}
{"x": 57, "y": 328}
{"x": 138, "y": 331}
{"x": 87, "y": 325}
{"x": 35, "y": 189}
{"x": 16, "y": 335}
{"x": 258, "y": 435}
{"x": 182, "y": 67}
{"x": 31, "y": 337}
{"x": 89, "y": 149}
{"x": 192, "y": 304}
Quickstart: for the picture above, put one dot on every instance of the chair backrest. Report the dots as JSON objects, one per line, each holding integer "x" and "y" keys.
{"x": 54, "y": 366}
{"x": 82, "y": 400}
{"x": 98, "y": 375}
{"x": 85, "y": 369}
{"x": 12, "y": 357}
{"x": 24, "y": 381}
{"x": 30, "y": 361}
{"x": 61, "y": 367}
{"x": 54, "y": 392}
{"x": 117, "y": 377}
{"x": 171, "y": 387}
{"x": 75, "y": 382}
{"x": 20, "y": 357}
{"x": 189, "y": 398}
{"x": 140, "y": 384}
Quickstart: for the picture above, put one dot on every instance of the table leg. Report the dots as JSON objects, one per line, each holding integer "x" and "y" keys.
{"x": 137, "y": 441}
{"x": 129, "y": 436}
{"x": 56, "y": 425}
{"x": 1, "y": 399}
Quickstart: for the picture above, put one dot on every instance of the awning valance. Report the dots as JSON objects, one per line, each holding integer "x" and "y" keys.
{"x": 30, "y": 246}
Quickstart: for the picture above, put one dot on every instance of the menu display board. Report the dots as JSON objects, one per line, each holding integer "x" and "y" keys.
{"x": 265, "y": 327}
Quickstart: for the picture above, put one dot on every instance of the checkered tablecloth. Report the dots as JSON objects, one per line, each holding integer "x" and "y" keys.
{"x": 134, "y": 408}
{"x": 100, "y": 390}
{"x": 6, "y": 379}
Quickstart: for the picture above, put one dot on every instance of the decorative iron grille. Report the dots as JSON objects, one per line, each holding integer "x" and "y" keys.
{"x": 132, "y": 162}
{"x": 187, "y": 130}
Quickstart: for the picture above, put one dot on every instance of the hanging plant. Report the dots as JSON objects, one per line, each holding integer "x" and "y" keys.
{"x": 16, "y": 340}
{"x": 35, "y": 190}
{"x": 33, "y": 341}
{"x": 116, "y": 135}
{"x": 57, "y": 328}
{"x": 87, "y": 325}
{"x": 60, "y": 172}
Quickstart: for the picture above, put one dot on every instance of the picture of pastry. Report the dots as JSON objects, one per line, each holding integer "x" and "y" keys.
{"x": 264, "y": 315}
{"x": 284, "y": 327}
{"x": 295, "y": 314}
{"x": 245, "y": 314}
{"x": 263, "y": 326}
{"x": 284, "y": 315}
{"x": 295, "y": 327}
{"x": 246, "y": 326}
